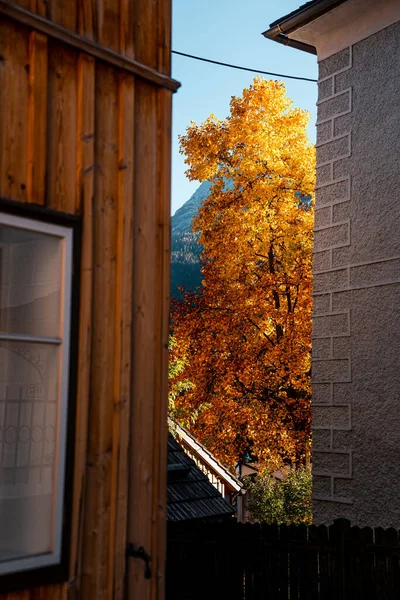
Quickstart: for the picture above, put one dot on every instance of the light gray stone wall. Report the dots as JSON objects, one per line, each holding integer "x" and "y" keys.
{"x": 356, "y": 324}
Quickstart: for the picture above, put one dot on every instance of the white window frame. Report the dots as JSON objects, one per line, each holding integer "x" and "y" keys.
{"x": 65, "y": 234}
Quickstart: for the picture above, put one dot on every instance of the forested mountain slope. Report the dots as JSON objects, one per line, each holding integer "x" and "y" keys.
{"x": 185, "y": 249}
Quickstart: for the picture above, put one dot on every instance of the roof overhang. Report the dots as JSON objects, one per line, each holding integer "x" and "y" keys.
{"x": 324, "y": 27}
{"x": 280, "y": 31}
{"x": 205, "y": 455}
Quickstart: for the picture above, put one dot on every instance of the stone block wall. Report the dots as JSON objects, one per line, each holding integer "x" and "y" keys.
{"x": 356, "y": 323}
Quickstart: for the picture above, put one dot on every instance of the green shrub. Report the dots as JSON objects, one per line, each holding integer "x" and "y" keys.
{"x": 284, "y": 502}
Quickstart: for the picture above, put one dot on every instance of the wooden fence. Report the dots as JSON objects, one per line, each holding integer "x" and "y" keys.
{"x": 262, "y": 562}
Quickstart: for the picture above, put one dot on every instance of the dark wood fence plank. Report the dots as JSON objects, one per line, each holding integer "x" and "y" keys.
{"x": 208, "y": 561}
{"x": 272, "y": 534}
{"x": 387, "y": 563}
{"x": 320, "y": 537}
{"x": 360, "y": 563}
{"x": 283, "y": 570}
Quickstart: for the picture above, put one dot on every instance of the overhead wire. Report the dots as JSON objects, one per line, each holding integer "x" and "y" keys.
{"x": 223, "y": 64}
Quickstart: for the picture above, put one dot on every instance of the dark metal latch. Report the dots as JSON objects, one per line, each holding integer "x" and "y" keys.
{"x": 132, "y": 551}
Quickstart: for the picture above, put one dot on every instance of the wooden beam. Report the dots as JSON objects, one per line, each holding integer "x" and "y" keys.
{"x": 14, "y": 93}
{"x": 62, "y": 126}
{"x": 85, "y": 187}
{"x": 37, "y": 119}
{"x": 96, "y": 534}
{"x": 143, "y": 441}
{"x": 164, "y": 115}
{"x": 16, "y": 13}
{"x": 122, "y": 403}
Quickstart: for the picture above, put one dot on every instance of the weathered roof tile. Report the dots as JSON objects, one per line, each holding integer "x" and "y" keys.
{"x": 190, "y": 495}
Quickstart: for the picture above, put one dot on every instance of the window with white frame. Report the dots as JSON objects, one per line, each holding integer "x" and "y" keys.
{"x": 35, "y": 303}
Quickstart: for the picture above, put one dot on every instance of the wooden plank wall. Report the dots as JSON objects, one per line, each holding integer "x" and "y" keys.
{"x": 85, "y": 138}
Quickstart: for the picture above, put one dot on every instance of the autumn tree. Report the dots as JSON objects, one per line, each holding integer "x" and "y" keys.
{"x": 246, "y": 337}
{"x": 177, "y": 384}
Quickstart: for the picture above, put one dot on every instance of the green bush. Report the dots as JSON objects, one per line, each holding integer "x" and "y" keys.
{"x": 284, "y": 502}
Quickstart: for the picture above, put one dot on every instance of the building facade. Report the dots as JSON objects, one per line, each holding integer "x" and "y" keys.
{"x": 356, "y": 322}
{"x": 85, "y": 132}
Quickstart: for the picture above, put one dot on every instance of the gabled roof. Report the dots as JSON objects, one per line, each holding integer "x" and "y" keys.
{"x": 190, "y": 495}
{"x": 205, "y": 456}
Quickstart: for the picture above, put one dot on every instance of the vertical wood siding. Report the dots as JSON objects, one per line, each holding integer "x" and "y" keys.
{"x": 88, "y": 139}
{"x": 37, "y": 119}
{"x": 14, "y": 93}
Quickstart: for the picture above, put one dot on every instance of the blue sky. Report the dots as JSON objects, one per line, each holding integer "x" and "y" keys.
{"x": 228, "y": 31}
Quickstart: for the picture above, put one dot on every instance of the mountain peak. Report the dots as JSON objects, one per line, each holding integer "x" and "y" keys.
{"x": 182, "y": 219}
{"x": 185, "y": 248}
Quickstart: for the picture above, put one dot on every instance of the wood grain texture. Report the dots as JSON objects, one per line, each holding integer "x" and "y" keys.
{"x": 38, "y": 6}
{"x": 108, "y": 23}
{"x": 50, "y": 592}
{"x": 144, "y": 333}
{"x": 64, "y": 12}
{"x": 14, "y": 81}
{"x": 127, "y": 28}
{"x": 84, "y": 44}
{"x": 86, "y": 18}
{"x": 24, "y": 3}
{"x": 85, "y": 132}
{"x": 62, "y": 128}
{"x": 37, "y": 119}
{"x": 85, "y": 183}
{"x": 116, "y": 365}
{"x": 145, "y": 23}
{"x": 96, "y": 546}
{"x": 47, "y": 592}
{"x": 164, "y": 32}
{"x": 164, "y": 111}
{"x": 124, "y": 325}
{"x": 41, "y": 7}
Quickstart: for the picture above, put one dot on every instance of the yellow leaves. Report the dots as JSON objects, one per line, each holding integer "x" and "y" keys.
{"x": 247, "y": 336}
{"x": 263, "y": 133}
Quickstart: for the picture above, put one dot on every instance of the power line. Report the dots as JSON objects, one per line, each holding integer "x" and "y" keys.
{"x": 222, "y": 64}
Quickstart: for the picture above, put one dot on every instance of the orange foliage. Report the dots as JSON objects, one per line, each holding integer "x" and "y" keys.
{"x": 246, "y": 337}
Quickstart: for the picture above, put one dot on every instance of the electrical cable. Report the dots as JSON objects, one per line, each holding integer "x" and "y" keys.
{"x": 222, "y": 64}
